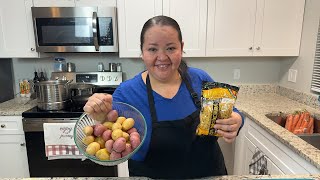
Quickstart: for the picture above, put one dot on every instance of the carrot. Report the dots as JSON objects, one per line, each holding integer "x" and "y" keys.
{"x": 289, "y": 122}
{"x": 310, "y": 125}
{"x": 295, "y": 121}
{"x": 305, "y": 122}
{"x": 298, "y": 131}
{"x": 300, "y": 121}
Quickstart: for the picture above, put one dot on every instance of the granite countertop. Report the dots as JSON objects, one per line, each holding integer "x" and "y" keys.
{"x": 16, "y": 106}
{"x": 256, "y": 106}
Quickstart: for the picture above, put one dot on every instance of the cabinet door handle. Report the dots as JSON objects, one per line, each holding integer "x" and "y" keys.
{"x": 23, "y": 144}
{"x": 3, "y": 125}
{"x": 250, "y": 48}
{"x": 33, "y": 49}
{"x": 258, "y": 48}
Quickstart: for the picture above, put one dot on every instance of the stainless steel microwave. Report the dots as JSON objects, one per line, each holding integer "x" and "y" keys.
{"x": 75, "y": 29}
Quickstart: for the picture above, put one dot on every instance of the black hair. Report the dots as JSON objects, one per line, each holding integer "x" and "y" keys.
{"x": 164, "y": 21}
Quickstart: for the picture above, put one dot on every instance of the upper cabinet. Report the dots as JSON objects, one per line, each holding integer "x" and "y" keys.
{"x": 131, "y": 17}
{"x": 16, "y": 30}
{"x": 73, "y": 3}
{"x": 254, "y": 27}
{"x": 192, "y": 20}
{"x": 216, "y": 28}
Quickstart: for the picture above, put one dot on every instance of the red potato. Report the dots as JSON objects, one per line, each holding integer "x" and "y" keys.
{"x": 115, "y": 155}
{"x": 135, "y": 141}
{"x": 109, "y": 145}
{"x": 132, "y": 130}
{"x": 106, "y": 135}
{"x": 99, "y": 129}
{"x": 112, "y": 116}
{"x": 127, "y": 151}
{"x": 135, "y": 134}
{"x": 119, "y": 145}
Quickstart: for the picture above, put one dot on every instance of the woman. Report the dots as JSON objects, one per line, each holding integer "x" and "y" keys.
{"x": 167, "y": 94}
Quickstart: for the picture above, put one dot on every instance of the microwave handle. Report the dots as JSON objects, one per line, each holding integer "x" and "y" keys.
{"x": 95, "y": 30}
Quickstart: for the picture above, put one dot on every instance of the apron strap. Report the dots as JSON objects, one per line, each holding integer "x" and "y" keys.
{"x": 153, "y": 111}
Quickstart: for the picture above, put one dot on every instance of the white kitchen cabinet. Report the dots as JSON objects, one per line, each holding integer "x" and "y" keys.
{"x": 14, "y": 160}
{"x": 192, "y": 18}
{"x": 271, "y": 166}
{"x": 131, "y": 17}
{"x": 254, "y": 27}
{"x": 54, "y": 3}
{"x": 281, "y": 159}
{"x": 16, "y": 30}
{"x": 106, "y": 3}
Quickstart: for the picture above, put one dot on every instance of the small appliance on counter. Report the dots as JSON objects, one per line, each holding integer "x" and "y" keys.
{"x": 81, "y": 85}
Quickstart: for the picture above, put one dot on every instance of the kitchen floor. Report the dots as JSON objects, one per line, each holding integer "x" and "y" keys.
{"x": 228, "y": 153}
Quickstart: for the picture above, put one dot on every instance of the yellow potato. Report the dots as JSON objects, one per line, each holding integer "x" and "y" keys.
{"x": 100, "y": 141}
{"x": 121, "y": 119}
{"x": 103, "y": 154}
{"x": 108, "y": 124}
{"x": 93, "y": 148}
{"x": 116, "y": 126}
{"x": 87, "y": 140}
{"x": 88, "y": 130}
{"x": 127, "y": 124}
{"x": 126, "y": 136}
{"x": 116, "y": 134}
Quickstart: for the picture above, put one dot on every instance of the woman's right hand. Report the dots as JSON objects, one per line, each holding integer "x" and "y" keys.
{"x": 99, "y": 107}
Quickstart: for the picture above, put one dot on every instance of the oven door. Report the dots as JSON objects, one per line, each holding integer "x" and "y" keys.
{"x": 75, "y": 29}
{"x": 40, "y": 166}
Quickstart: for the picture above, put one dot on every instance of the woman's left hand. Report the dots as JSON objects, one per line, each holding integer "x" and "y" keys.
{"x": 228, "y": 128}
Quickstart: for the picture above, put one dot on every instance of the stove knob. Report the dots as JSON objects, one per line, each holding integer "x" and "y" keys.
{"x": 102, "y": 78}
{"x": 116, "y": 78}
{"x": 109, "y": 78}
{"x": 3, "y": 125}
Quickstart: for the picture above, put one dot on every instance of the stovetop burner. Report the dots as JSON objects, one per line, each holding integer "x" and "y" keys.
{"x": 35, "y": 112}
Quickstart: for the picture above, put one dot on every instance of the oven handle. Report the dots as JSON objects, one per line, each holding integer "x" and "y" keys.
{"x": 36, "y": 124}
{"x": 95, "y": 30}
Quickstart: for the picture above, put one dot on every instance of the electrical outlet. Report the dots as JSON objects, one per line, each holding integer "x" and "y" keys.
{"x": 236, "y": 74}
{"x": 292, "y": 75}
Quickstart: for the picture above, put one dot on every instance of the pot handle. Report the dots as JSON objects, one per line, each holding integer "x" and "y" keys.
{"x": 67, "y": 83}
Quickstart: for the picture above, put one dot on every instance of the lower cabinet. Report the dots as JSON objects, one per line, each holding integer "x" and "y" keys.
{"x": 13, "y": 156}
{"x": 280, "y": 159}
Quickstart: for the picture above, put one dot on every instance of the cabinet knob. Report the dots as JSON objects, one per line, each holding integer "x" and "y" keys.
{"x": 23, "y": 144}
{"x": 33, "y": 49}
{"x": 258, "y": 48}
{"x": 3, "y": 125}
{"x": 250, "y": 48}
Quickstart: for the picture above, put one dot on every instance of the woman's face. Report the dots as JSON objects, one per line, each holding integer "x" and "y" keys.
{"x": 162, "y": 52}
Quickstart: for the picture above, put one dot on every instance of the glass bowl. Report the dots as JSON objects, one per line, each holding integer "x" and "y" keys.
{"x": 123, "y": 109}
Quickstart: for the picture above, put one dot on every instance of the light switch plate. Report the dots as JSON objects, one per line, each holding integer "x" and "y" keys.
{"x": 236, "y": 74}
{"x": 292, "y": 75}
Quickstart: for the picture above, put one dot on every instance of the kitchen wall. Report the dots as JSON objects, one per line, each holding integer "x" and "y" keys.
{"x": 252, "y": 70}
{"x": 304, "y": 63}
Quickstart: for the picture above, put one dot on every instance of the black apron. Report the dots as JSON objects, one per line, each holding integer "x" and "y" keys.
{"x": 175, "y": 151}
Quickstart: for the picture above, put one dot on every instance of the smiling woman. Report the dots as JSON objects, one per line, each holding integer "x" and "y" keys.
{"x": 167, "y": 94}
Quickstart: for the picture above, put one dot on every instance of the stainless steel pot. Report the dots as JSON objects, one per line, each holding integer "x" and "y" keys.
{"x": 53, "y": 94}
{"x": 80, "y": 89}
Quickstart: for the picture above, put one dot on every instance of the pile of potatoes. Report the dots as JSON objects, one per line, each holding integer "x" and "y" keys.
{"x": 111, "y": 140}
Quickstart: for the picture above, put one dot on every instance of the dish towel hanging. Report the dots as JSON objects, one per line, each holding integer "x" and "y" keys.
{"x": 59, "y": 143}
{"x": 258, "y": 164}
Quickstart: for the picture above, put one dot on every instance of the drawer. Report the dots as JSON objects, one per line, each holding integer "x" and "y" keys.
{"x": 11, "y": 125}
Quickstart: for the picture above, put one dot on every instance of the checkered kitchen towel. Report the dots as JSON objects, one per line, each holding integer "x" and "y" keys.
{"x": 59, "y": 143}
{"x": 258, "y": 164}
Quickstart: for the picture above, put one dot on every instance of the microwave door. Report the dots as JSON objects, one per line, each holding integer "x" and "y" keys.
{"x": 65, "y": 29}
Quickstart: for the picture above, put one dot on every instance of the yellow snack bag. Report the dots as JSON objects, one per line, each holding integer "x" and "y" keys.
{"x": 217, "y": 100}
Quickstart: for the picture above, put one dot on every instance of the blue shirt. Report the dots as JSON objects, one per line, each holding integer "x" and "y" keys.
{"x": 134, "y": 92}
